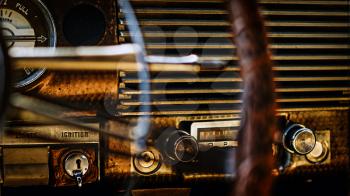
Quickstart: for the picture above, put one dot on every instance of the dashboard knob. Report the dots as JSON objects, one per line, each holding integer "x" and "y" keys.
{"x": 319, "y": 153}
{"x": 298, "y": 139}
{"x": 147, "y": 162}
{"x": 181, "y": 146}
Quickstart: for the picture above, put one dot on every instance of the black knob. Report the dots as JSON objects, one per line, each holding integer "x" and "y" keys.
{"x": 180, "y": 146}
{"x": 298, "y": 139}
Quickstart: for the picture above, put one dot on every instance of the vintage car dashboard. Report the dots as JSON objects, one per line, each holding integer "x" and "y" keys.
{"x": 72, "y": 128}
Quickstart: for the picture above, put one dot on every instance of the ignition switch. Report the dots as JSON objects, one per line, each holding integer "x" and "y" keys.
{"x": 76, "y": 165}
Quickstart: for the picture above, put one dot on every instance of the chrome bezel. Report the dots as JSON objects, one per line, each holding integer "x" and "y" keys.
{"x": 323, "y": 156}
{"x": 285, "y": 135}
{"x": 302, "y": 128}
{"x": 52, "y": 43}
{"x": 295, "y": 135}
{"x": 152, "y": 169}
{"x": 205, "y": 145}
{"x": 178, "y": 141}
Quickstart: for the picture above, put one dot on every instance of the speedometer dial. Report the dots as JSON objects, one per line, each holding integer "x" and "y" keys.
{"x": 27, "y": 23}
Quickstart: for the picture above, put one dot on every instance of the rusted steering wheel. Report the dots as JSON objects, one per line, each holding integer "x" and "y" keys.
{"x": 255, "y": 161}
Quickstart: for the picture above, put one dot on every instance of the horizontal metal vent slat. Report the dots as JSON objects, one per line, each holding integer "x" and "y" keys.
{"x": 195, "y": 102}
{"x": 280, "y": 58}
{"x": 309, "y": 41}
{"x": 197, "y": 112}
{"x": 302, "y": 2}
{"x": 206, "y": 23}
{"x": 221, "y": 79}
{"x": 230, "y": 46}
{"x": 154, "y": 34}
{"x": 224, "y": 12}
{"x": 204, "y": 91}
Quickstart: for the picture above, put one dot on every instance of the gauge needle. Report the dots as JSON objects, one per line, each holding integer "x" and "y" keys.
{"x": 25, "y": 38}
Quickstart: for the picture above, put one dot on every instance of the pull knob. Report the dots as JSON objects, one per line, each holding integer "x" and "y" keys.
{"x": 319, "y": 153}
{"x": 76, "y": 165}
{"x": 147, "y": 162}
{"x": 298, "y": 139}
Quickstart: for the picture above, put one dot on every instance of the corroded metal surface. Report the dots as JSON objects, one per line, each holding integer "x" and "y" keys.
{"x": 338, "y": 124}
{"x": 118, "y": 152}
{"x": 83, "y": 87}
{"x": 21, "y": 169}
{"x": 118, "y": 166}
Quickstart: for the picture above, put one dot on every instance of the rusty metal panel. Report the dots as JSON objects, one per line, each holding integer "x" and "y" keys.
{"x": 60, "y": 176}
{"x": 26, "y": 166}
{"x": 162, "y": 192}
{"x": 48, "y": 135}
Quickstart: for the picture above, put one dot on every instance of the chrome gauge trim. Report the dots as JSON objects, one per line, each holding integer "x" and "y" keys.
{"x": 205, "y": 145}
{"x": 52, "y": 43}
{"x": 50, "y": 29}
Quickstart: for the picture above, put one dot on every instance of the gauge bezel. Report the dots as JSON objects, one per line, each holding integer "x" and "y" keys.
{"x": 52, "y": 40}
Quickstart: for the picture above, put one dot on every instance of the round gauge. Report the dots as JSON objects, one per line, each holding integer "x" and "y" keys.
{"x": 26, "y": 23}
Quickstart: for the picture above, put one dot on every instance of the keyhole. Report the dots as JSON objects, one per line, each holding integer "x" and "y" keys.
{"x": 78, "y": 162}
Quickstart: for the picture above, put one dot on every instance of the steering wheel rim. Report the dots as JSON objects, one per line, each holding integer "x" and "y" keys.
{"x": 4, "y": 79}
{"x": 254, "y": 157}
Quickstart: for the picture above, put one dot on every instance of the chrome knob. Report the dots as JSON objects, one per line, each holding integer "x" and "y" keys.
{"x": 319, "y": 153}
{"x": 299, "y": 139}
{"x": 147, "y": 162}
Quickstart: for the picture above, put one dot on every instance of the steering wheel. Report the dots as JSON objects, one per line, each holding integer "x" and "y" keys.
{"x": 254, "y": 157}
